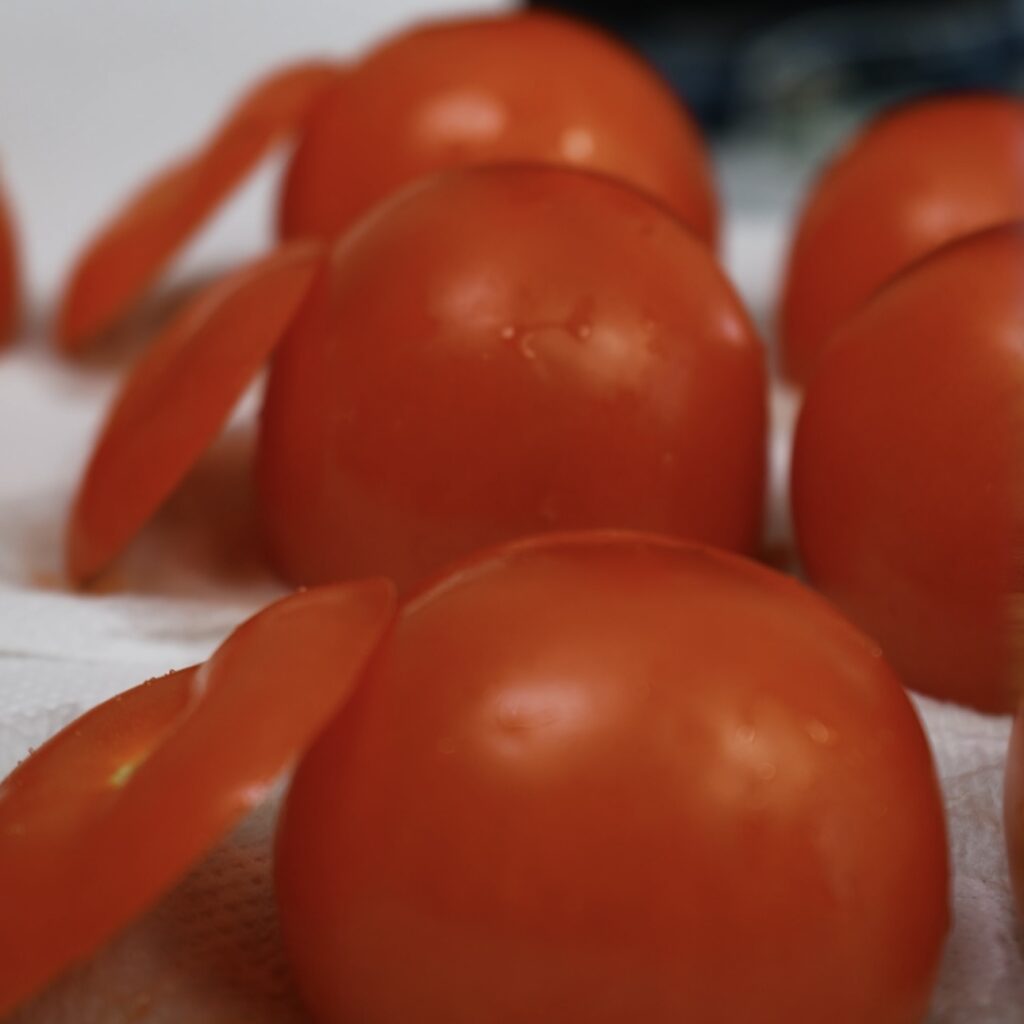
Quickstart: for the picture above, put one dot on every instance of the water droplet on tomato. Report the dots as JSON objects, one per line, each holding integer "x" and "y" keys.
{"x": 821, "y": 734}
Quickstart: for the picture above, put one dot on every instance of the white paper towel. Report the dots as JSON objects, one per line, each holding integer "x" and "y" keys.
{"x": 192, "y": 578}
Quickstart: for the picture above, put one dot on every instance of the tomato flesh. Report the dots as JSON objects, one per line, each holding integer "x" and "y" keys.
{"x": 505, "y": 350}
{"x": 906, "y": 480}
{"x": 919, "y": 176}
{"x": 612, "y": 778}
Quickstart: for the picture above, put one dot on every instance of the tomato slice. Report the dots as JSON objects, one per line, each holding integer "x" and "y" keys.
{"x": 921, "y": 174}
{"x": 178, "y": 397}
{"x": 1014, "y": 808}
{"x": 606, "y": 777}
{"x": 482, "y": 321}
{"x": 906, "y": 469}
{"x": 106, "y": 816}
{"x": 137, "y": 243}
{"x": 8, "y": 275}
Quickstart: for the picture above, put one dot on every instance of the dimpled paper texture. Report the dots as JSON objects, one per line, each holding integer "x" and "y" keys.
{"x": 210, "y": 952}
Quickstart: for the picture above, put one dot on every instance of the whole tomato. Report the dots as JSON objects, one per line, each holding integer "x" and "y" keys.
{"x": 484, "y": 90}
{"x": 918, "y": 176}
{"x": 1014, "y": 808}
{"x": 612, "y": 778}
{"x": 102, "y": 820}
{"x": 500, "y": 351}
{"x": 907, "y": 480}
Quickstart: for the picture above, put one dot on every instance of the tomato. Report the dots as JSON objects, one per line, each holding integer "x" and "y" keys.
{"x": 906, "y": 481}
{"x": 516, "y": 87}
{"x": 505, "y": 350}
{"x": 920, "y": 175}
{"x": 613, "y": 778}
{"x": 177, "y": 399}
{"x": 8, "y": 275}
{"x": 105, "y": 817}
{"x": 139, "y": 241}
{"x": 483, "y": 90}
{"x": 1014, "y": 808}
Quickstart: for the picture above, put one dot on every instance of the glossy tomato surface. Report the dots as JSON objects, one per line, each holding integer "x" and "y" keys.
{"x": 177, "y": 399}
{"x": 470, "y": 91}
{"x": 907, "y": 469}
{"x": 919, "y": 176}
{"x": 500, "y": 351}
{"x": 611, "y": 778}
{"x": 8, "y": 273}
{"x": 1014, "y": 808}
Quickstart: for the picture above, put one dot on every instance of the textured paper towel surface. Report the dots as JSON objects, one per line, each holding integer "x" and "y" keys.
{"x": 210, "y": 952}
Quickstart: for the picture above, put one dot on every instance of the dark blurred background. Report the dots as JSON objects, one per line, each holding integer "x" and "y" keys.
{"x": 786, "y": 62}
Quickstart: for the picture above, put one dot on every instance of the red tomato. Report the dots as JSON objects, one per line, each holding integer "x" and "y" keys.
{"x": 920, "y": 175}
{"x": 907, "y": 469}
{"x": 1014, "y": 808}
{"x": 105, "y": 817}
{"x": 521, "y": 87}
{"x": 611, "y": 778}
{"x": 8, "y": 275}
{"x": 516, "y": 87}
{"x": 502, "y": 351}
{"x": 131, "y": 250}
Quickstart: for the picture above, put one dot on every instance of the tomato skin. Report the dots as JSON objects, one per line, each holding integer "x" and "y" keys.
{"x": 106, "y": 816}
{"x": 506, "y": 350}
{"x": 9, "y": 303}
{"x": 565, "y": 793}
{"x": 122, "y": 260}
{"x": 1014, "y": 808}
{"x": 906, "y": 480}
{"x": 522, "y": 87}
{"x": 177, "y": 398}
{"x": 918, "y": 176}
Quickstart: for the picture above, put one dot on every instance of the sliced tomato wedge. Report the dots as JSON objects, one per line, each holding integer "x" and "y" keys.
{"x": 102, "y": 820}
{"x": 177, "y": 398}
{"x": 8, "y": 275}
{"x": 132, "y": 249}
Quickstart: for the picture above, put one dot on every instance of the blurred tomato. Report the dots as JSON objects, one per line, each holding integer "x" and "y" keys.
{"x": 506, "y": 350}
{"x": 907, "y": 469}
{"x": 611, "y": 778}
{"x": 1014, "y": 808}
{"x": 920, "y": 175}
{"x": 483, "y": 90}
{"x": 8, "y": 274}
